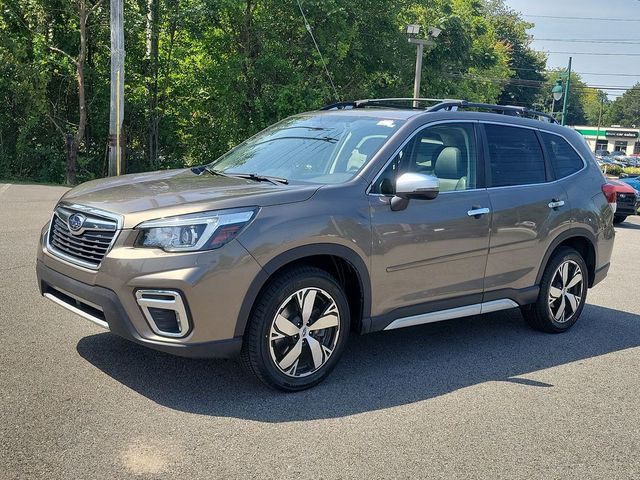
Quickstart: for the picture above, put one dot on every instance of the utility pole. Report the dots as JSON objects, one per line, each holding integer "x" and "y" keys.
{"x": 599, "y": 123}
{"x": 567, "y": 86}
{"x": 116, "y": 113}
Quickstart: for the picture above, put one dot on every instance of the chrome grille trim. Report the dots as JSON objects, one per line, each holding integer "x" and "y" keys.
{"x": 88, "y": 246}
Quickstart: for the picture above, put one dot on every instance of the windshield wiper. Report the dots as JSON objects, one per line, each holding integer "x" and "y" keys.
{"x": 213, "y": 171}
{"x": 258, "y": 178}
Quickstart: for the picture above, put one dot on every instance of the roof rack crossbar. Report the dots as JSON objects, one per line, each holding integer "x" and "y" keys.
{"x": 505, "y": 109}
{"x": 384, "y": 102}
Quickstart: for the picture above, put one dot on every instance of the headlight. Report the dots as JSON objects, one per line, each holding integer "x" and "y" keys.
{"x": 198, "y": 231}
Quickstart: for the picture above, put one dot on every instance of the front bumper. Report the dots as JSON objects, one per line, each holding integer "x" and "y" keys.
{"x": 78, "y": 297}
{"x": 213, "y": 285}
{"x": 627, "y": 205}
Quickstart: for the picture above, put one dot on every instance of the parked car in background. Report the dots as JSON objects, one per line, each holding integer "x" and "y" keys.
{"x": 627, "y": 200}
{"x": 633, "y": 181}
{"x": 602, "y": 153}
{"x": 612, "y": 160}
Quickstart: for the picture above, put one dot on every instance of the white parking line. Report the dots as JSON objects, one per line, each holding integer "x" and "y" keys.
{"x": 4, "y": 188}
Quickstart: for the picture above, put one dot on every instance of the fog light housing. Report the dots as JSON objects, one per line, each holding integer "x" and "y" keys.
{"x": 165, "y": 311}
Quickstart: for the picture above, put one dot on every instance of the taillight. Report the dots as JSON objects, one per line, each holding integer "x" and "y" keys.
{"x": 610, "y": 194}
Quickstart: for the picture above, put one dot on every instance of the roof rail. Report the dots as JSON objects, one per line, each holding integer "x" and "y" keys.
{"x": 441, "y": 104}
{"x": 385, "y": 103}
{"x": 452, "y": 105}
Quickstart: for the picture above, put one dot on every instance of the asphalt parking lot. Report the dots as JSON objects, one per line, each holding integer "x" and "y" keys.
{"x": 482, "y": 397}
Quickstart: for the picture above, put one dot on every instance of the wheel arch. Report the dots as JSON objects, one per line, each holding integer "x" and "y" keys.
{"x": 340, "y": 261}
{"x": 579, "y": 239}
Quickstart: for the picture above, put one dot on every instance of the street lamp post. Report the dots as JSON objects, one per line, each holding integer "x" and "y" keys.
{"x": 559, "y": 91}
{"x": 412, "y": 31}
{"x": 567, "y": 86}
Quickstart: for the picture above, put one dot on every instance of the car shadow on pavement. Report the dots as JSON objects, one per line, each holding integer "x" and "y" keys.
{"x": 628, "y": 226}
{"x": 377, "y": 371}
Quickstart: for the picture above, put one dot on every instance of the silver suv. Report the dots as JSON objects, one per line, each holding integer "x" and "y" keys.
{"x": 360, "y": 217}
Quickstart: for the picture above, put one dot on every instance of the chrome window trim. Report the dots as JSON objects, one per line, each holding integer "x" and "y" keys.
{"x": 404, "y": 143}
{"x": 69, "y": 260}
{"x": 452, "y": 313}
{"x": 584, "y": 162}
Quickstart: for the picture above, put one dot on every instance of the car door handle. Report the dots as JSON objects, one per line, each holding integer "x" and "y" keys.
{"x": 556, "y": 203}
{"x": 478, "y": 211}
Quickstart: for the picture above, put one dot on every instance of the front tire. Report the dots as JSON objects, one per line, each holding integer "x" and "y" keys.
{"x": 298, "y": 329}
{"x": 563, "y": 293}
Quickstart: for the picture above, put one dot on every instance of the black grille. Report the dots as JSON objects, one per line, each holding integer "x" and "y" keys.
{"x": 627, "y": 199}
{"x": 165, "y": 320}
{"x": 88, "y": 248}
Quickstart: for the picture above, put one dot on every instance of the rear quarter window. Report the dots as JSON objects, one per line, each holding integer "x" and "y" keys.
{"x": 564, "y": 159}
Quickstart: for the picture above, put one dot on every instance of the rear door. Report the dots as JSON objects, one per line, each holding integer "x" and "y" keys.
{"x": 528, "y": 208}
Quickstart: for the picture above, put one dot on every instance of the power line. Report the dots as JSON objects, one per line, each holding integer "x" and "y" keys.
{"x": 324, "y": 64}
{"x": 585, "y": 18}
{"x": 603, "y": 41}
{"x": 600, "y": 54}
{"x": 607, "y": 74}
{"x": 516, "y": 82}
{"x": 578, "y": 73}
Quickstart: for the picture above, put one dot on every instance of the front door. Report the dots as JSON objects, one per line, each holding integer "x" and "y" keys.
{"x": 431, "y": 255}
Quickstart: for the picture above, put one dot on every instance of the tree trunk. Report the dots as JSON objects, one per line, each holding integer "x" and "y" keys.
{"x": 249, "y": 48}
{"x": 152, "y": 37}
{"x": 72, "y": 150}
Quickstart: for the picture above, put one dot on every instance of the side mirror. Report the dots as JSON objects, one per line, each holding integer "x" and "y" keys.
{"x": 414, "y": 185}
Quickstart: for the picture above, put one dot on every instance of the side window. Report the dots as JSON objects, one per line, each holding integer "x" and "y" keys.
{"x": 515, "y": 156}
{"x": 447, "y": 151}
{"x": 564, "y": 158}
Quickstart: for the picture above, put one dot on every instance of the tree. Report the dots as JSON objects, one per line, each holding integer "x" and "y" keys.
{"x": 72, "y": 140}
{"x": 527, "y": 66}
{"x": 625, "y": 110}
{"x": 203, "y": 75}
{"x": 596, "y": 105}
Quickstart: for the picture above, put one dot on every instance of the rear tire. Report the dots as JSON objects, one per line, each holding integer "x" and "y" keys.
{"x": 563, "y": 293}
{"x": 298, "y": 329}
{"x": 619, "y": 219}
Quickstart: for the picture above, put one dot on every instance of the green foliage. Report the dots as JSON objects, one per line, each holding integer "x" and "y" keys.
{"x": 225, "y": 69}
{"x": 617, "y": 171}
{"x": 612, "y": 170}
{"x": 625, "y": 110}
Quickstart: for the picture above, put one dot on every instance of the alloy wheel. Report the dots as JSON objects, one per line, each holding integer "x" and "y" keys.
{"x": 304, "y": 332}
{"x": 566, "y": 291}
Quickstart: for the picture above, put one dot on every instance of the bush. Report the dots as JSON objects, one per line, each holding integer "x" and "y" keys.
{"x": 631, "y": 171}
{"x": 613, "y": 170}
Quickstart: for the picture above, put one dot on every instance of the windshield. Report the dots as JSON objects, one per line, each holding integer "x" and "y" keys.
{"x": 310, "y": 148}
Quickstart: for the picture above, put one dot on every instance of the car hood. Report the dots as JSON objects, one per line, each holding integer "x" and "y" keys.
{"x": 145, "y": 196}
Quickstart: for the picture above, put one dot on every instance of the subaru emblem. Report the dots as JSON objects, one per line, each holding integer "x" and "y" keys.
{"x": 76, "y": 221}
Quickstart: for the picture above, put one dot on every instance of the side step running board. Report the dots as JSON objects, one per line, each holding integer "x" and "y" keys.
{"x": 459, "y": 312}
